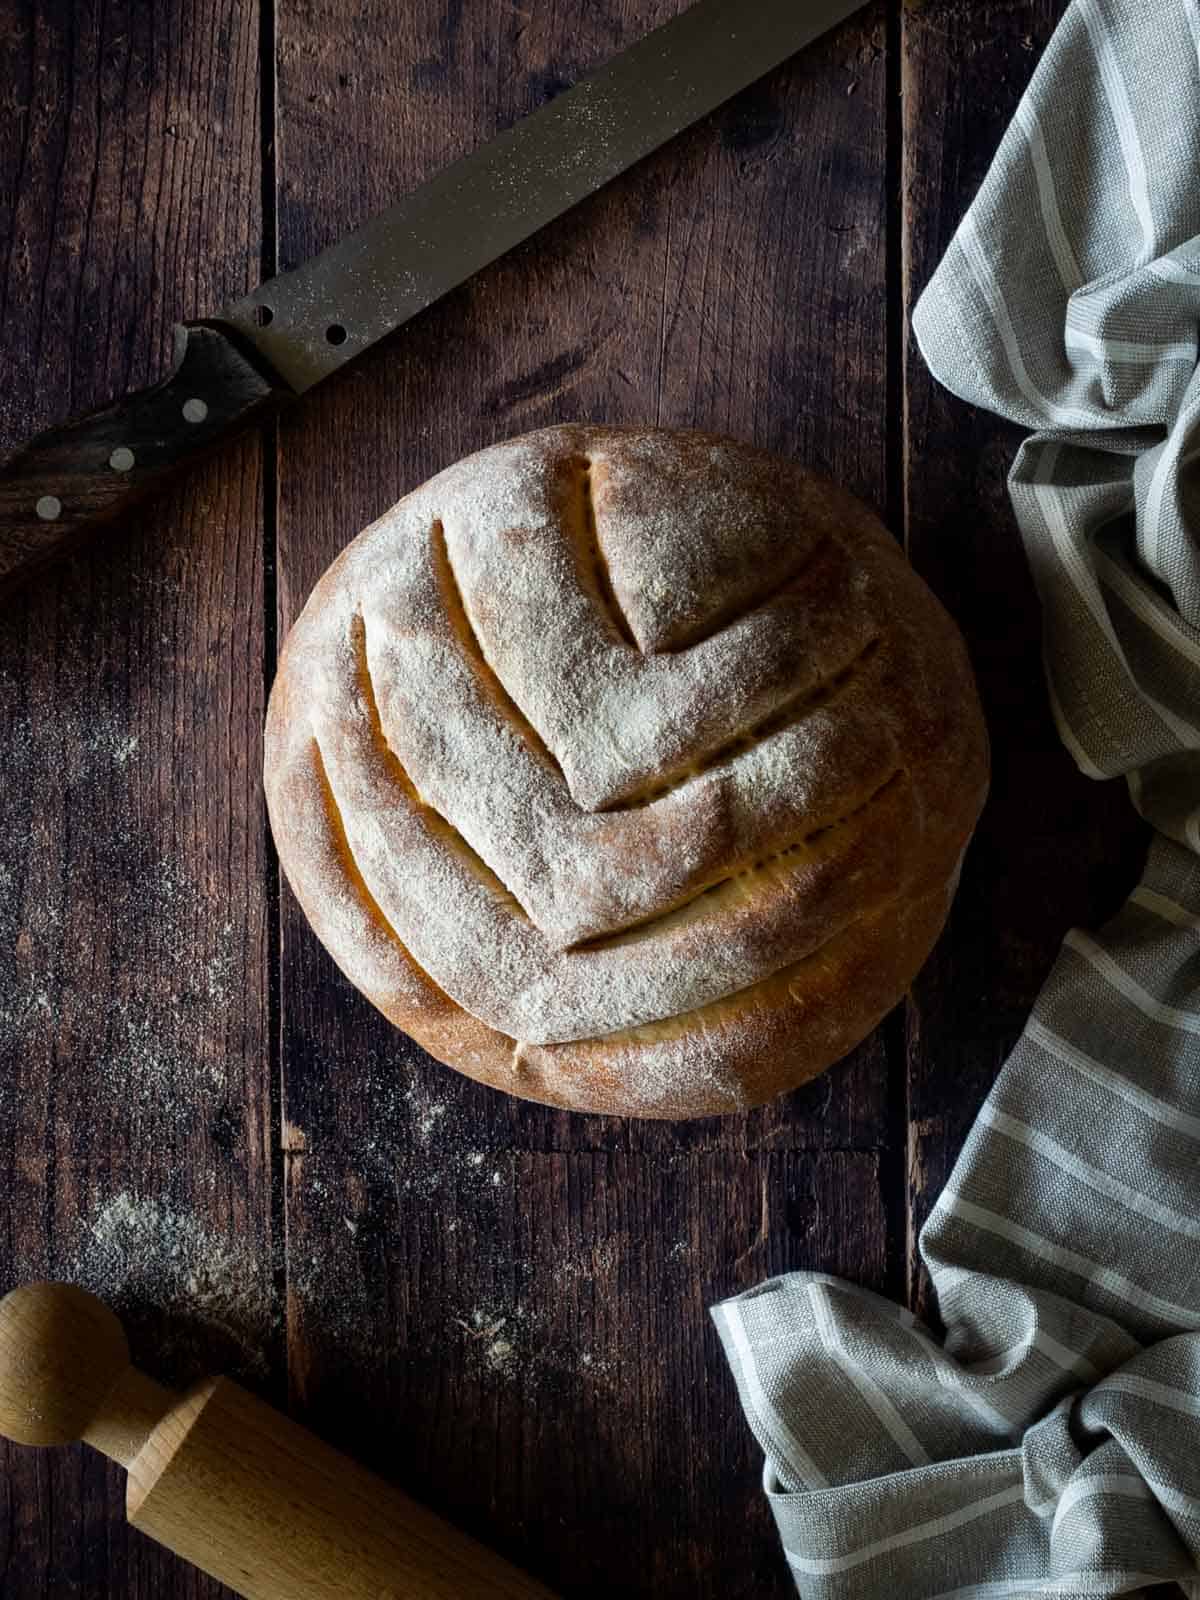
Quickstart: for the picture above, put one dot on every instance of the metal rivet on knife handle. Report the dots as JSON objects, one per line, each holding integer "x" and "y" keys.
{"x": 305, "y": 324}
{"x": 68, "y": 479}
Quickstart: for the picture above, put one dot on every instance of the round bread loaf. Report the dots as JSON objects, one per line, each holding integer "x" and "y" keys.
{"x": 626, "y": 770}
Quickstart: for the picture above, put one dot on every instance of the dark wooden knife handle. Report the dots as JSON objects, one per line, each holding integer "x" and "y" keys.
{"x": 82, "y": 473}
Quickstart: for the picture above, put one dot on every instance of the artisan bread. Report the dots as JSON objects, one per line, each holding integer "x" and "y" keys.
{"x": 626, "y": 770}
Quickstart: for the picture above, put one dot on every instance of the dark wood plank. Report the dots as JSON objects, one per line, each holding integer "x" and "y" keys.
{"x": 611, "y": 313}
{"x": 525, "y": 1342}
{"x": 61, "y": 490}
{"x": 734, "y": 281}
{"x": 134, "y": 1099}
{"x": 1053, "y": 848}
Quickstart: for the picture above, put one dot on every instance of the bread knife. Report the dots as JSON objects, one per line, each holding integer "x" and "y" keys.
{"x": 233, "y": 368}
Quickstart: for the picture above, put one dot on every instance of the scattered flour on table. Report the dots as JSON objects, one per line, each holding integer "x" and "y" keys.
{"x": 165, "y": 960}
{"x": 492, "y": 1335}
{"x": 491, "y": 1299}
{"x": 427, "y": 1115}
{"x": 519, "y": 1343}
{"x": 193, "y": 1300}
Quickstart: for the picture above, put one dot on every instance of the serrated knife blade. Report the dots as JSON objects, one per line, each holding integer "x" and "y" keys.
{"x": 373, "y": 280}
{"x": 306, "y": 324}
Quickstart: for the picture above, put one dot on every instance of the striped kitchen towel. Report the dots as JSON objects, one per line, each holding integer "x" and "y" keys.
{"x": 1050, "y": 1445}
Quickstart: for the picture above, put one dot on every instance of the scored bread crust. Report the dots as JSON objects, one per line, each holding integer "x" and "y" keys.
{"x": 627, "y": 771}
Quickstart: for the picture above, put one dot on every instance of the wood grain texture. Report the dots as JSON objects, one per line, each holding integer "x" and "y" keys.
{"x": 604, "y": 315}
{"x": 418, "y": 1201}
{"x": 134, "y": 1104}
{"x": 1053, "y": 848}
{"x": 246, "y": 1494}
{"x": 524, "y": 1341}
{"x": 502, "y": 1307}
{"x": 84, "y": 474}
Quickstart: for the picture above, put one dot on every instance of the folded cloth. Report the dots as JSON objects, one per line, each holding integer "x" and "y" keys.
{"x": 1051, "y": 1444}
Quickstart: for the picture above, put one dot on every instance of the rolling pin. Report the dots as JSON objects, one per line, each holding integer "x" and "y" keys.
{"x": 222, "y": 1479}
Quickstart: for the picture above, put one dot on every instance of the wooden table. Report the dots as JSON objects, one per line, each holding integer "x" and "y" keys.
{"x": 197, "y": 1113}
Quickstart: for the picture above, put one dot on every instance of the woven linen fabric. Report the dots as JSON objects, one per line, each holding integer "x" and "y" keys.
{"x": 1050, "y": 1445}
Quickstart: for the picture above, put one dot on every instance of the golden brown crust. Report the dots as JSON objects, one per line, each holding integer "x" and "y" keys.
{"x": 647, "y": 748}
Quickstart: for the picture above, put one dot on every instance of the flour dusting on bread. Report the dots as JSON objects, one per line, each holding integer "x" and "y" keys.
{"x": 625, "y": 769}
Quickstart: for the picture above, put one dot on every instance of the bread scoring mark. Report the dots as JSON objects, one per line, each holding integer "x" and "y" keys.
{"x": 794, "y": 710}
{"x": 464, "y": 631}
{"x": 349, "y": 862}
{"x": 700, "y": 1018}
{"x": 596, "y": 560}
{"x": 342, "y": 848}
{"x": 734, "y": 884}
{"x": 743, "y": 608}
{"x": 437, "y": 824}
{"x": 659, "y": 1031}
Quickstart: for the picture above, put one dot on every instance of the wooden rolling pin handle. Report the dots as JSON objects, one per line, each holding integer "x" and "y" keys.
{"x": 224, "y": 1480}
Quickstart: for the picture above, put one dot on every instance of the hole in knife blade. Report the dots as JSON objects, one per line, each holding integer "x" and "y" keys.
{"x": 335, "y": 333}
{"x": 263, "y": 315}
